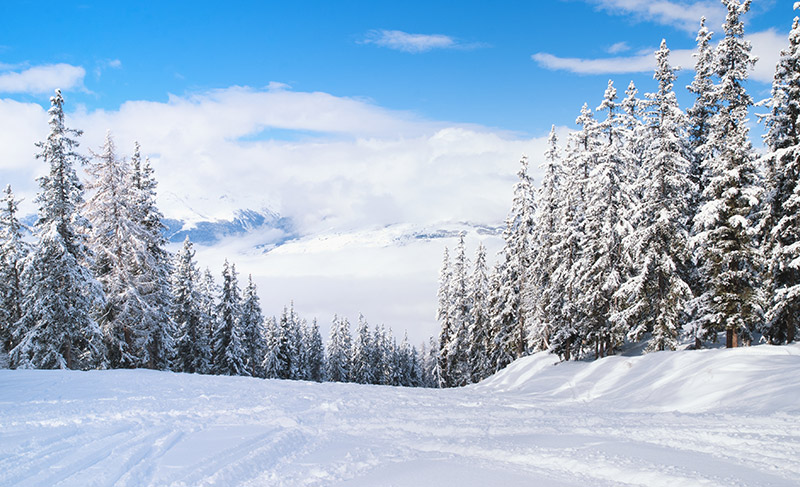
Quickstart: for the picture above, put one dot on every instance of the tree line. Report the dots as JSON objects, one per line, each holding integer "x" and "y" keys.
{"x": 650, "y": 224}
{"x": 94, "y": 287}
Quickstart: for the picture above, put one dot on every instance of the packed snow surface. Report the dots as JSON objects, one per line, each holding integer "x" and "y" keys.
{"x": 700, "y": 418}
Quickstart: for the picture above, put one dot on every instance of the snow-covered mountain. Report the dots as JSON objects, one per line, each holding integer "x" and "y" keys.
{"x": 712, "y": 417}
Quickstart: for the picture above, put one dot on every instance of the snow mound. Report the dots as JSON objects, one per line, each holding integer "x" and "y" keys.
{"x": 760, "y": 379}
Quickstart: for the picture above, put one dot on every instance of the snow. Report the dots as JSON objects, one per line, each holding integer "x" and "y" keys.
{"x": 710, "y": 418}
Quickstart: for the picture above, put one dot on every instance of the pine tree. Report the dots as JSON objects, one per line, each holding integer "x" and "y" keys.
{"x": 564, "y": 314}
{"x": 363, "y": 369}
{"x": 605, "y": 261}
{"x": 479, "y": 343}
{"x": 657, "y": 295}
{"x": 14, "y": 250}
{"x": 271, "y": 364}
{"x": 59, "y": 314}
{"x": 208, "y": 291}
{"x": 152, "y": 267}
{"x": 701, "y": 113}
{"x": 780, "y": 220}
{"x": 545, "y": 240}
{"x": 116, "y": 241}
{"x": 444, "y": 317}
{"x": 192, "y": 349}
{"x": 457, "y": 358}
{"x": 316, "y": 353}
{"x": 339, "y": 351}
{"x": 724, "y": 228}
{"x": 228, "y": 354}
{"x": 509, "y": 330}
{"x": 252, "y": 325}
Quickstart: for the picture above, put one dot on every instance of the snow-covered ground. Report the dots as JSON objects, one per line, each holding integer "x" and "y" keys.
{"x": 700, "y": 418}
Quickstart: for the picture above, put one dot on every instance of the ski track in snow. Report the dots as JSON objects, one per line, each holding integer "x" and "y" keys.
{"x": 709, "y": 418}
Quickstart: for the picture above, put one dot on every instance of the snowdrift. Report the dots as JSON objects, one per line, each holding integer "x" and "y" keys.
{"x": 759, "y": 379}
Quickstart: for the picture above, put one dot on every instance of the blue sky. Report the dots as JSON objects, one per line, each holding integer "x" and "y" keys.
{"x": 362, "y": 122}
{"x": 484, "y": 75}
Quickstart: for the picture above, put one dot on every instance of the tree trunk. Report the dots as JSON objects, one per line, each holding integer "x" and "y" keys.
{"x": 731, "y": 338}
{"x": 790, "y": 332}
{"x": 698, "y": 343}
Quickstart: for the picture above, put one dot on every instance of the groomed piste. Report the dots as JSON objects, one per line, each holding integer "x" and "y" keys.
{"x": 725, "y": 417}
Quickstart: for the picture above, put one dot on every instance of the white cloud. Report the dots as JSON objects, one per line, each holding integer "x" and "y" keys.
{"x": 414, "y": 43}
{"x": 43, "y": 79}
{"x": 680, "y": 14}
{"x": 766, "y": 46}
{"x": 618, "y": 48}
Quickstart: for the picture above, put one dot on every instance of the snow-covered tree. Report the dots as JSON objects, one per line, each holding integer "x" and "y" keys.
{"x": 444, "y": 317}
{"x": 605, "y": 261}
{"x": 656, "y": 296}
{"x": 724, "y": 228}
{"x": 479, "y": 342}
{"x": 59, "y": 314}
{"x": 192, "y": 351}
{"x": 564, "y": 314}
{"x": 339, "y": 351}
{"x": 271, "y": 364}
{"x": 252, "y": 324}
{"x": 780, "y": 221}
{"x": 208, "y": 291}
{"x": 315, "y": 353}
{"x": 152, "y": 266}
{"x": 13, "y": 252}
{"x": 456, "y": 353}
{"x": 228, "y": 353}
{"x": 545, "y": 239}
{"x": 700, "y": 114}
{"x": 116, "y": 241}
{"x": 509, "y": 330}
{"x": 362, "y": 368}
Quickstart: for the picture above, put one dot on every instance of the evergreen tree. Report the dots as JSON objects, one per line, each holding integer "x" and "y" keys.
{"x": 192, "y": 350}
{"x": 363, "y": 369}
{"x": 564, "y": 314}
{"x": 457, "y": 358}
{"x": 339, "y": 351}
{"x": 444, "y": 317}
{"x": 724, "y": 227}
{"x": 780, "y": 221}
{"x": 13, "y": 252}
{"x": 115, "y": 240}
{"x": 545, "y": 241}
{"x": 316, "y": 353}
{"x": 253, "y": 330}
{"x": 271, "y": 365}
{"x": 208, "y": 291}
{"x": 657, "y": 295}
{"x": 228, "y": 353}
{"x": 59, "y": 314}
{"x": 701, "y": 113}
{"x": 509, "y": 331}
{"x": 479, "y": 343}
{"x": 605, "y": 261}
{"x": 152, "y": 267}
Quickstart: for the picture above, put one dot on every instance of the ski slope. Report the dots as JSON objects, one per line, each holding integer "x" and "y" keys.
{"x": 702, "y": 418}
